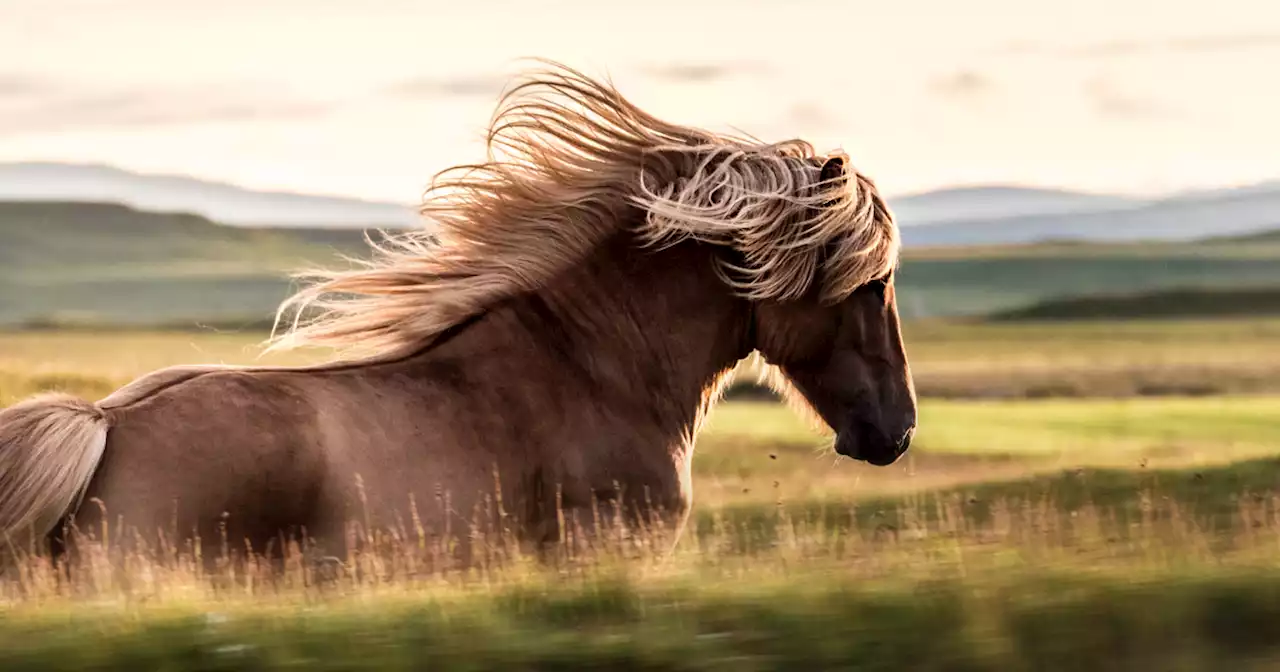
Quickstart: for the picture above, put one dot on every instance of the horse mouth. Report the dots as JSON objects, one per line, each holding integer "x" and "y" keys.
{"x": 864, "y": 443}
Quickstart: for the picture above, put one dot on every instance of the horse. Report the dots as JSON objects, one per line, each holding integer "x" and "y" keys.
{"x": 553, "y": 343}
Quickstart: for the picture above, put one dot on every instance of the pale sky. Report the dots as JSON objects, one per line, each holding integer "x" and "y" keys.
{"x": 368, "y": 98}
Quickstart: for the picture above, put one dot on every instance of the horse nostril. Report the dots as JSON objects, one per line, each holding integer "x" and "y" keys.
{"x": 905, "y": 441}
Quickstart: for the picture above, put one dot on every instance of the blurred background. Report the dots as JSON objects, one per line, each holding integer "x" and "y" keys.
{"x": 1089, "y": 194}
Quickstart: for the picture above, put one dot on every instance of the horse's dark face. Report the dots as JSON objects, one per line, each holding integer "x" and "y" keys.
{"x": 849, "y": 363}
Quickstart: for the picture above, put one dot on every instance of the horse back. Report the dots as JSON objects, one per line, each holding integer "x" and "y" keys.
{"x": 256, "y": 454}
{"x": 211, "y": 451}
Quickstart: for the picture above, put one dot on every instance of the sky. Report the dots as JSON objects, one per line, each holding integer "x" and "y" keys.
{"x": 369, "y": 98}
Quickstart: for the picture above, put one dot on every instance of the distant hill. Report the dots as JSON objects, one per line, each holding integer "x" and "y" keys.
{"x": 35, "y": 234}
{"x": 1268, "y": 236}
{"x": 1170, "y": 303}
{"x": 980, "y": 280}
{"x": 97, "y": 262}
{"x": 221, "y": 202}
{"x": 963, "y": 204}
{"x": 69, "y": 263}
{"x": 1221, "y": 213}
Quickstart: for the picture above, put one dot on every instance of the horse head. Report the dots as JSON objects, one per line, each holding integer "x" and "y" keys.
{"x": 842, "y": 352}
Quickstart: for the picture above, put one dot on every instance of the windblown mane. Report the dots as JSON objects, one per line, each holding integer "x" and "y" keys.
{"x": 567, "y": 158}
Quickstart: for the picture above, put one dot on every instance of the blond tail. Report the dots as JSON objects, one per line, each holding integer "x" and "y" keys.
{"x": 50, "y": 446}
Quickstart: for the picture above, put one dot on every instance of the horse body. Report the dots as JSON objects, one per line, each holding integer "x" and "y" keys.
{"x": 555, "y": 410}
{"x": 554, "y": 349}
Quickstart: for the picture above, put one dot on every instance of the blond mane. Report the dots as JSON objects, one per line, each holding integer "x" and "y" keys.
{"x": 567, "y": 158}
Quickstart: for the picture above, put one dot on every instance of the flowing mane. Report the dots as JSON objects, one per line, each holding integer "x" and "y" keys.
{"x": 568, "y": 156}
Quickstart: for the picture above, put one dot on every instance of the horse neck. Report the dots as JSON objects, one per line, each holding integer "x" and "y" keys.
{"x": 634, "y": 335}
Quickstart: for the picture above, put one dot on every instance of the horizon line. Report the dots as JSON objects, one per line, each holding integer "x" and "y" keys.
{"x": 916, "y": 193}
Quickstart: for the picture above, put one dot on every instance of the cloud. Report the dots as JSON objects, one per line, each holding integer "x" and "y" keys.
{"x": 17, "y": 86}
{"x": 43, "y": 109}
{"x": 700, "y": 73}
{"x": 961, "y": 84}
{"x": 464, "y": 86}
{"x": 812, "y": 117}
{"x": 1110, "y": 101}
{"x": 491, "y": 85}
{"x": 1117, "y": 48}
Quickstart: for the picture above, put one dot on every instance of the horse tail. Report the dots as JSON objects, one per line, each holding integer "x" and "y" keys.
{"x": 50, "y": 447}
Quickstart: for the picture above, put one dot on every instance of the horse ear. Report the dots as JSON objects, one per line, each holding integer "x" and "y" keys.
{"x": 833, "y": 169}
{"x": 831, "y": 178}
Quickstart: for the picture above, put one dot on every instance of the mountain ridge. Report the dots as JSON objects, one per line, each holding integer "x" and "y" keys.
{"x": 975, "y": 214}
{"x": 219, "y": 201}
{"x": 1244, "y": 212}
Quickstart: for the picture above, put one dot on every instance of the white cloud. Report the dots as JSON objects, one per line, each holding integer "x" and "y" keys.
{"x": 35, "y": 107}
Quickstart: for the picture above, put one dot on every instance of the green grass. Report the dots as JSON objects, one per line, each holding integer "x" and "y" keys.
{"x": 1095, "y": 358}
{"x": 1080, "y": 430}
{"x": 1166, "y": 621}
{"x": 1106, "y": 430}
{"x": 758, "y": 450}
{"x": 951, "y": 582}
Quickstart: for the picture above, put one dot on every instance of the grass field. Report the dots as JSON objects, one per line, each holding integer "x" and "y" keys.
{"x": 1095, "y": 358}
{"x": 1063, "y": 507}
{"x": 949, "y": 359}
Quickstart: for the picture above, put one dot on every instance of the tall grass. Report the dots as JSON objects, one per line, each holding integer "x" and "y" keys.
{"x": 934, "y": 583}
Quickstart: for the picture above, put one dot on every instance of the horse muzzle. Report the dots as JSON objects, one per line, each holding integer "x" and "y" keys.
{"x": 867, "y": 443}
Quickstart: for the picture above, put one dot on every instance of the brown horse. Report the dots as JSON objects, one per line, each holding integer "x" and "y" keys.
{"x": 555, "y": 343}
